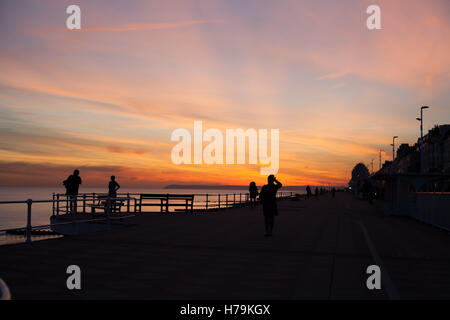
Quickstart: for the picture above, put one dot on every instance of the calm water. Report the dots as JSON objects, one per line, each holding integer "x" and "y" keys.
{"x": 14, "y": 215}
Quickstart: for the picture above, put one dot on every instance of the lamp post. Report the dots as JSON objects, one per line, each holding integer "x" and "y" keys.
{"x": 421, "y": 136}
{"x": 393, "y": 147}
{"x": 380, "y": 158}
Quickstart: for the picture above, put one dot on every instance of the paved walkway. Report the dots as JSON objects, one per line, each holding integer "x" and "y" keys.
{"x": 320, "y": 250}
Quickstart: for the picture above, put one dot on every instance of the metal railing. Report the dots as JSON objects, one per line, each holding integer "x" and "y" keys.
{"x": 71, "y": 202}
{"x": 202, "y": 201}
{"x": 75, "y": 205}
{"x": 228, "y": 200}
{"x": 80, "y": 203}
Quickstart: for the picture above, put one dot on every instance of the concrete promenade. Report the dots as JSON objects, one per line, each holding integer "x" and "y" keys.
{"x": 320, "y": 250}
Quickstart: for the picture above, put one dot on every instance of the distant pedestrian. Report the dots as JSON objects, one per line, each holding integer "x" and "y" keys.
{"x": 72, "y": 184}
{"x": 268, "y": 197}
{"x": 316, "y": 192}
{"x": 333, "y": 192}
{"x": 113, "y": 186}
{"x": 308, "y": 192}
{"x": 253, "y": 191}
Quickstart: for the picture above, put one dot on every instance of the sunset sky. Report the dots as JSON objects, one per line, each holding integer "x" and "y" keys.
{"x": 106, "y": 99}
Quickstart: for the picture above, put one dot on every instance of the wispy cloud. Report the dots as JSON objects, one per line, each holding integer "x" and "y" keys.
{"x": 132, "y": 27}
{"x": 337, "y": 75}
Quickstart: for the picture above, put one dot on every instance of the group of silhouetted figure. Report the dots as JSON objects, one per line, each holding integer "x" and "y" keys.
{"x": 72, "y": 184}
{"x": 267, "y": 195}
{"x": 318, "y": 192}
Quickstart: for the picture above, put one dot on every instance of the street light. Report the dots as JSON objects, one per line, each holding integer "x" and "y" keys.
{"x": 393, "y": 147}
{"x": 421, "y": 136}
{"x": 380, "y": 157}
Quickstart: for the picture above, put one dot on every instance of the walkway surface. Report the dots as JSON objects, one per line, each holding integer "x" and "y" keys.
{"x": 320, "y": 250}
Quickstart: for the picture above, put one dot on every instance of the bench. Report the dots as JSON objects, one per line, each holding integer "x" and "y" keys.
{"x": 102, "y": 203}
{"x": 164, "y": 201}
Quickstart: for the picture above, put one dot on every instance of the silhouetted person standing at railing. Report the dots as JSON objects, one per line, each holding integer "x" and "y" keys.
{"x": 253, "y": 191}
{"x": 113, "y": 186}
{"x": 72, "y": 184}
{"x": 268, "y": 197}
{"x": 308, "y": 192}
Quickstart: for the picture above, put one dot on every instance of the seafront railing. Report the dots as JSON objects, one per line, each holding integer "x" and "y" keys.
{"x": 81, "y": 208}
{"x": 201, "y": 201}
{"x": 71, "y": 202}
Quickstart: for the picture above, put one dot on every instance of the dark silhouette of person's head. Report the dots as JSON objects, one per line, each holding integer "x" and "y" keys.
{"x": 113, "y": 178}
{"x": 271, "y": 179}
{"x": 252, "y": 184}
{"x": 76, "y": 172}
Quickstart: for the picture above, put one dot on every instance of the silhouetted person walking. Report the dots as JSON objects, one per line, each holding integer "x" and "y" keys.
{"x": 253, "y": 191}
{"x": 113, "y": 186}
{"x": 72, "y": 184}
{"x": 308, "y": 192}
{"x": 268, "y": 197}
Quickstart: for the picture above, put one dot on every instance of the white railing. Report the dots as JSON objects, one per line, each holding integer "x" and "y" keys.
{"x": 56, "y": 203}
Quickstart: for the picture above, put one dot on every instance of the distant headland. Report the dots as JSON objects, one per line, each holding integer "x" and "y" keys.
{"x": 220, "y": 187}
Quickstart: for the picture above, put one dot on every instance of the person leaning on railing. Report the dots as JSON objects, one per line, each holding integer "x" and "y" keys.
{"x": 72, "y": 184}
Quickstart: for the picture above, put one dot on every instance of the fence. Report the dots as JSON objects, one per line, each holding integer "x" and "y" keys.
{"x": 78, "y": 206}
{"x": 202, "y": 201}
{"x": 70, "y": 202}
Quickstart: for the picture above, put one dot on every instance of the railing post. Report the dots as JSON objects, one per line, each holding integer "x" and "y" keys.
{"x": 128, "y": 203}
{"x": 226, "y": 200}
{"x": 84, "y": 203}
{"x": 73, "y": 212}
{"x": 234, "y": 199}
{"x": 57, "y": 204}
{"x": 207, "y": 202}
{"x": 29, "y": 202}
{"x": 53, "y": 204}
{"x": 219, "y": 200}
{"x": 75, "y": 203}
{"x": 240, "y": 199}
{"x": 167, "y": 203}
{"x": 108, "y": 210}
